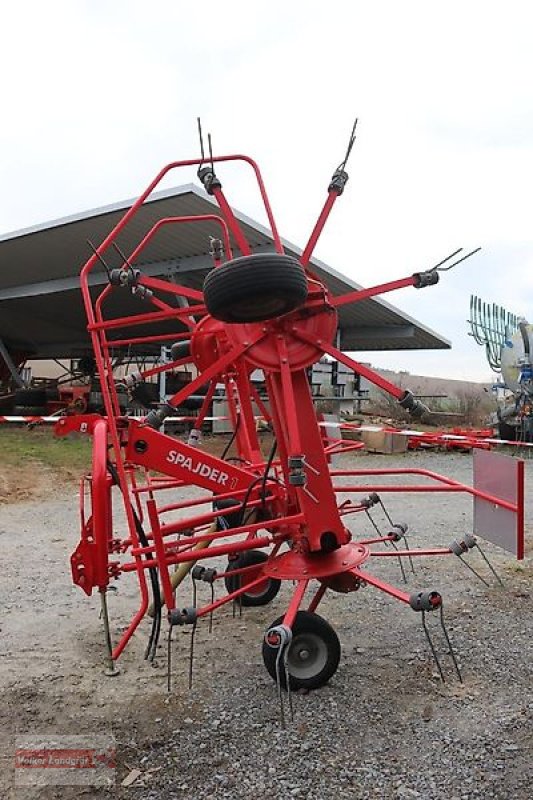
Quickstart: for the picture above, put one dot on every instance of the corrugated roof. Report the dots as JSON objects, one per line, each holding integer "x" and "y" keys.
{"x": 40, "y": 303}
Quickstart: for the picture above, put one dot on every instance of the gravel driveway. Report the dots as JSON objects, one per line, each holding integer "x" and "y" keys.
{"x": 384, "y": 727}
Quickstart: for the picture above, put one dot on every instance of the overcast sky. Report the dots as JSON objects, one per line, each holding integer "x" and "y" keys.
{"x": 98, "y": 95}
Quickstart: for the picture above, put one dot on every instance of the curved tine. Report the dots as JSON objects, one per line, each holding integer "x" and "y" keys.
{"x": 475, "y": 319}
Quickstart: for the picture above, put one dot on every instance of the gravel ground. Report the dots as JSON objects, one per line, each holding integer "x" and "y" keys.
{"x": 384, "y": 727}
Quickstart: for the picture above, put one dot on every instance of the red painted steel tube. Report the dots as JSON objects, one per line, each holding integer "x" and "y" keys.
{"x": 141, "y": 319}
{"x": 398, "y": 471}
{"x": 319, "y": 227}
{"x": 215, "y": 369}
{"x": 435, "y": 551}
{"x": 248, "y": 442}
{"x": 100, "y": 498}
{"x": 177, "y": 289}
{"x": 200, "y": 501}
{"x": 383, "y": 586}
{"x": 182, "y": 220}
{"x": 424, "y": 488}
{"x": 155, "y": 301}
{"x": 211, "y": 552}
{"x": 148, "y": 373}
{"x": 201, "y": 612}
{"x": 205, "y": 406}
{"x": 93, "y": 260}
{"x": 132, "y": 627}
{"x": 168, "y": 530}
{"x": 234, "y": 226}
{"x": 168, "y": 593}
{"x": 289, "y": 400}
{"x": 377, "y": 540}
{"x": 366, "y": 372}
{"x": 363, "y": 294}
{"x": 313, "y": 605}
{"x": 263, "y": 410}
{"x": 158, "y": 337}
{"x": 190, "y": 541}
{"x": 295, "y": 603}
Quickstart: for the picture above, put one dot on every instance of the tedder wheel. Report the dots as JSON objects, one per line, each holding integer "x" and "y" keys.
{"x": 313, "y": 656}
{"x": 261, "y": 594}
{"x": 253, "y": 288}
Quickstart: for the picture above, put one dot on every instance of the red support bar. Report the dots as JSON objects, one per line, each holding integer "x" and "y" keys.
{"x": 205, "y": 406}
{"x": 313, "y": 605}
{"x": 383, "y": 586}
{"x": 363, "y": 294}
{"x": 166, "y": 287}
{"x": 202, "y": 612}
{"x": 148, "y": 373}
{"x": 377, "y": 540}
{"x": 289, "y": 400}
{"x": 210, "y": 552}
{"x": 295, "y": 603}
{"x": 366, "y": 372}
{"x": 162, "y": 337}
{"x": 168, "y": 592}
{"x": 234, "y": 226}
{"x": 435, "y": 551}
{"x": 100, "y": 498}
{"x": 319, "y": 227}
{"x": 141, "y": 319}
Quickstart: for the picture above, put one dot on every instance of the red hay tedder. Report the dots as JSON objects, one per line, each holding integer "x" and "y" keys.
{"x": 276, "y": 517}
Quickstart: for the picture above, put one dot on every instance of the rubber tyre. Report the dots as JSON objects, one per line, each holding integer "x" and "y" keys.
{"x": 260, "y": 596}
{"x": 29, "y": 411}
{"x": 254, "y": 288}
{"x": 506, "y": 431}
{"x": 311, "y": 634}
{"x": 180, "y": 349}
{"x": 30, "y": 397}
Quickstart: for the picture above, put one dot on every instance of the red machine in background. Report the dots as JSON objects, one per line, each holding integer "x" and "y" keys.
{"x": 275, "y": 516}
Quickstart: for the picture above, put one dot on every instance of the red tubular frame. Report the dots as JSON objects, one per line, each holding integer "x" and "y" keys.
{"x": 294, "y": 492}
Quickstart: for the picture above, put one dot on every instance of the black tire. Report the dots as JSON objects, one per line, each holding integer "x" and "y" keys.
{"x": 193, "y": 402}
{"x": 313, "y": 656}
{"x": 145, "y": 394}
{"x": 254, "y": 288}
{"x": 30, "y": 397}
{"x": 180, "y": 350}
{"x": 262, "y": 594}
{"x": 506, "y": 431}
{"x": 29, "y": 411}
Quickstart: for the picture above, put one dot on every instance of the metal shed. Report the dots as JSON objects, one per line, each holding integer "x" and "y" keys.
{"x": 41, "y": 310}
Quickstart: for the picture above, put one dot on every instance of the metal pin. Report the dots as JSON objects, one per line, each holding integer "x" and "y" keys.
{"x": 490, "y": 566}
{"x": 191, "y": 655}
{"x": 452, "y": 653}
{"x": 432, "y": 647}
{"x": 111, "y": 669}
{"x": 169, "y": 659}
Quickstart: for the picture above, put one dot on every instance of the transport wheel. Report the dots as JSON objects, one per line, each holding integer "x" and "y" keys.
{"x": 253, "y": 288}
{"x": 313, "y": 656}
{"x": 261, "y": 594}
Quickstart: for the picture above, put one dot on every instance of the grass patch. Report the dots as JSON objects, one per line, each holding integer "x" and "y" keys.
{"x": 21, "y": 445}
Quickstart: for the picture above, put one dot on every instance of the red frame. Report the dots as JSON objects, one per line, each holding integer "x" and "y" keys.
{"x": 306, "y": 518}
